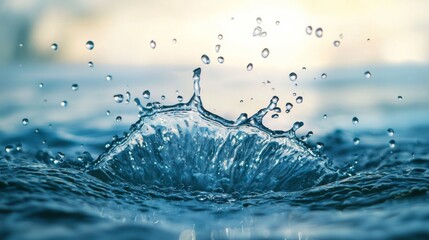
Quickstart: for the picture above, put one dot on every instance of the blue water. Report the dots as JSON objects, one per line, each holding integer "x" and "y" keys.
{"x": 183, "y": 172}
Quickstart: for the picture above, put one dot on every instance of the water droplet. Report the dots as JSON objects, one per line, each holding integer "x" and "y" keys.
{"x": 392, "y": 143}
{"x": 109, "y": 78}
{"x": 54, "y": 46}
{"x": 21, "y": 45}
{"x": 299, "y": 99}
{"x": 319, "y": 32}
{"x": 275, "y": 116}
{"x": 146, "y": 94}
{"x": 259, "y": 20}
{"x": 336, "y": 43}
{"x": 205, "y": 59}
{"x": 277, "y": 22}
{"x": 249, "y": 67}
{"x": 217, "y": 47}
{"x": 293, "y": 76}
{"x": 162, "y": 97}
{"x": 367, "y": 74}
{"x": 220, "y": 59}
{"x": 25, "y": 121}
{"x": 75, "y": 87}
{"x": 319, "y": 145}
{"x": 390, "y": 132}
{"x": 324, "y": 75}
{"x": 118, "y": 98}
{"x": 18, "y": 147}
{"x": 309, "y": 30}
{"x": 220, "y": 36}
{"x": 179, "y": 98}
{"x": 90, "y": 64}
{"x": 64, "y": 104}
{"x": 399, "y": 98}
{"x": 174, "y": 40}
{"x": 108, "y": 113}
{"x": 41, "y": 85}
{"x": 356, "y": 141}
{"x": 8, "y": 149}
{"x": 257, "y": 31}
{"x": 89, "y": 45}
{"x": 263, "y": 34}
{"x": 325, "y": 116}
{"x": 265, "y": 52}
{"x": 152, "y": 44}
{"x": 128, "y": 97}
{"x": 289, "y": 106}
{"x": 355, "y": 120}
{"x": 118, "y": 118}
{"x": 297, "y": 125}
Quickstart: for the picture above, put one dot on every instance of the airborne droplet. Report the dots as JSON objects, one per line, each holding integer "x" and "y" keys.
{"x": 392, "y": 143}
{"x": 356, "y": 141}
{"x": 399, "y": 97}
{"x": 319, "y": 32}
{"x": 277, "y": 22}
{"x": 220, "y": 59}
{"x": 174, "y": 40}
{"x": 217, "y": 48}
{"x": 220, "y": 36}
{"x": 64, "y": 104}
{"x": 25, "y": 121}
{"x": 249, "y": 67}
{"x": 205, "y": 59}
{"x": 54, "y": 46}
{"x": 75, "y": 87}
{"x": 324, "y": 75}
{"x": 265, "y": 52}
{"x": 146, "y": 94}
{"x": 118, "y": 119}
{"x": 179, "y": 98}
{"x": 90, "y": 64}
{"x": 109, "y": 78}
{"x": 299, "y": 99}
{"x": 257, "y": 31}
{"x": 355, "y": 120}
{"x": 89, "y": 45}
{"x": 289, "y": 106}
{"x": 118, "y": 98}
{"x": 367, "y": 74}
{"x": 293, "y": 76}
{"x": 336, "y": 43}
{"x": 390, "y": 132}
{"x": 152, "y": 44}
{"x": 259, "y": 20}
{"x": 309, "y": 30}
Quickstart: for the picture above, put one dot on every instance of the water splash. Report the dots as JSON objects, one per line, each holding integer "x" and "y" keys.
{"x": 184, "y": 145}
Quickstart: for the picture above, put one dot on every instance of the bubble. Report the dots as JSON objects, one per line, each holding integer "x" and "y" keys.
{"x": 336, "y": 43}
{"x": 275, "y": 116}
{"x": 89, "y": 45}
{"x": 118, "y": 98}
{"x": 392, "y": 143}
{"x": 146, "y": 94}
{"x": 220, "y": 59}
{"x": 258, "y": 20}
{"x": 118, "y": 119}
{"x": 390, "y": 132}
{"x": 174, "y": 40}
{"x": 179, "y": 98}
{"x": 356, "y": 141}
{"x": 309, "y": 30}
{"x": 355, "y": 120}
{"x": 367, "y": 74}
{"x": 288, "y": 106}
{"x": 163, "y": 97}
{"x": 257, "y": 31}
{"x": 277, "y": 22}
{"x": 90, "y": 64}
{"x": 25, "y": 121}
{"x": 41, "y": 85}
{"x": 152, "y": 44}
{"x": 64, "y": 104}
{"x": 8, "y": 148}
{"x": 108, "y": 113}
{"x": 75, "y": 87}
{"x": 299, "y": 99}
{"x": 109, "y": 78}
{"x": 220, "y": 36}
{"x": 205, "y": 59}
{"x": 54, "y": 46}
{"x": 324, "y": 75}
{"x": 319, "y": 32}
{"x": 399, "y": 98}
{"x": 325, "y": 116}
{"x": 293, "y": 76}
{"x": 265, "y": 52}
{"x": 249, "y": 67}
{"x": 217, "y": 48}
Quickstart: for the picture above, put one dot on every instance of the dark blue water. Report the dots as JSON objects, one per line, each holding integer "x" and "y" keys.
{"x": 182, "y": 172}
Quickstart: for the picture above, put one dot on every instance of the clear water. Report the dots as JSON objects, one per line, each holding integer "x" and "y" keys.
{"x": 183, "y": 172}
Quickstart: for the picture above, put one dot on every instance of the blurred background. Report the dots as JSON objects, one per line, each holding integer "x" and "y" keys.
{"x": 390, "y": 39}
